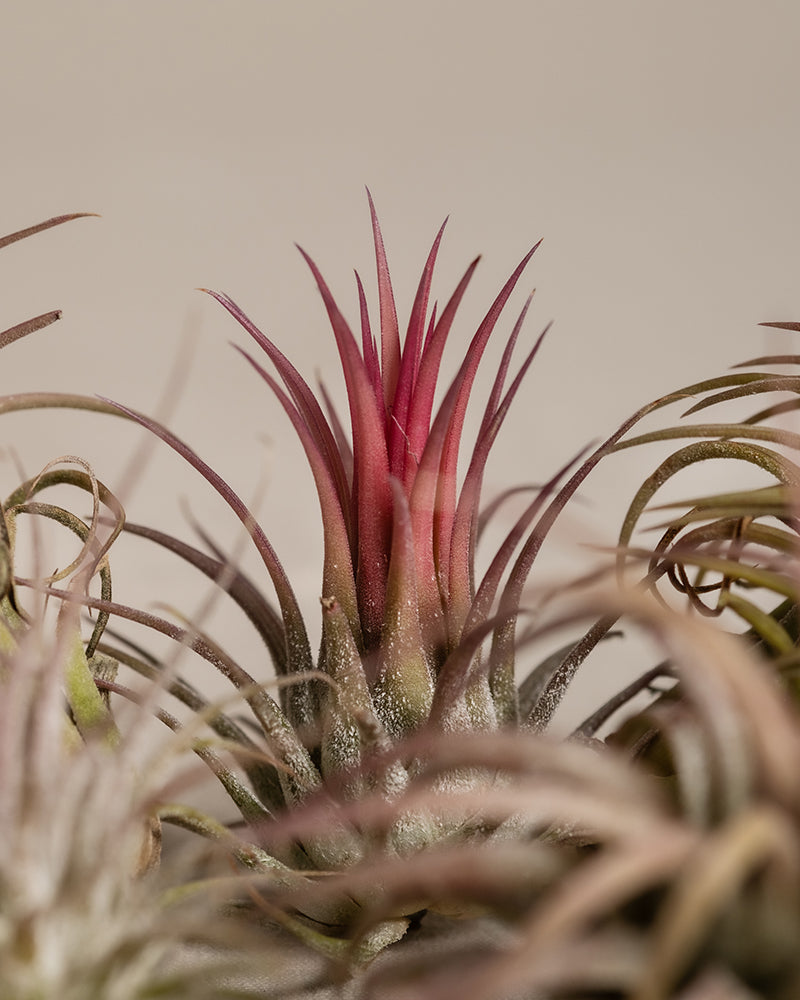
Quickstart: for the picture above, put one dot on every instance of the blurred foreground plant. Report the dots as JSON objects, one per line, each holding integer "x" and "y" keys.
{"x": 83, "y": 912}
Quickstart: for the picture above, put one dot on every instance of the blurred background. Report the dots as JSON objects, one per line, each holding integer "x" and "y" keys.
{"x": 654, "y": 146}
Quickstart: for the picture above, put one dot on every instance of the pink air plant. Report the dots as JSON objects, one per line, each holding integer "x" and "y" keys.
{"x": 413, "y": 644}
{"x": 394, "y": 774}
{"x": 400, "y": 610}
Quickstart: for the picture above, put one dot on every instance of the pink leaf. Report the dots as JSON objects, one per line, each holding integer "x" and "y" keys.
{"x": 368, "y": 348}
{"x": 445, "y": 500}
{"x": 419, "y": 418}
{"x": 337, "y": 577}
{"x": 302, "y": 395}
{"x": 409, "y": 365}
{"x": 465, "y": 523}
{"x": 390, "y": 331}
{"x": 298, "y": 648}
{"x": 372, "y": 499}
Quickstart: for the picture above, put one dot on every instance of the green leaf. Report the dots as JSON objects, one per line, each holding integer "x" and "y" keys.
{"x": 89, "y": 709}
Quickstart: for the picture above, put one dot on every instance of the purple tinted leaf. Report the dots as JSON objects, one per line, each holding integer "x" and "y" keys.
{"x": 298, "y": 648}
{"x": 252, "y": 810}
{"x": 261, "y": 614}
{"x": 302, "y": 777}
{"x": 485, "y": 596}
{"x": 784, "y": 326}
{"x": 338, "y": 576}
{"x": 304, "y": 399}
{"x": 490, "y": 509}
{"x": 446, "y": 482}
{"x": 465, "y": 522}
{"x": 432, "y": 595}
{"x": 502, "y": 653}
{"x": 493, "y": 402}
{"x": 22, "y": 234}
{"x": 260, "y": 772}
{"x": 434, "y": 486}
{"x": 28, "y": 326}
{"x": 600, "y": 716}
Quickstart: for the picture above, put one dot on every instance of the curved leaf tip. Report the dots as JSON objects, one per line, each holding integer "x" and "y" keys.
{"x": 57, "y": 220}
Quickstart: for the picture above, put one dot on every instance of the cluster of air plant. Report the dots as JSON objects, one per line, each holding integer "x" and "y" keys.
{"x": 76, "y": 917}
{"x": 84, "y": 911}
{"x": 680, "y": 879}
{"x": 406, "y": 768}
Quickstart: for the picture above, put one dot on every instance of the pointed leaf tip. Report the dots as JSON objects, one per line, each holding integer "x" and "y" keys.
{"x": 783, "y": 326}
{"x": 57, "y": 220}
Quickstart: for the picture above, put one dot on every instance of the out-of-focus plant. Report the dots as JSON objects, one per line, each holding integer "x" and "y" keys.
{"x": 662, "y": 899}
{"x": 83, "y": 912}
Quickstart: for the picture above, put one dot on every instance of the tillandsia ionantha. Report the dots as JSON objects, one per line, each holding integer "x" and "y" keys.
{"x": 416, "y": 651}
{"x": 404, "y": 617}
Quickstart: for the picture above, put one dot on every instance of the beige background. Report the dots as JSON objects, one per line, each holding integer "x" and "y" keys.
{"x": 654, "y": 145}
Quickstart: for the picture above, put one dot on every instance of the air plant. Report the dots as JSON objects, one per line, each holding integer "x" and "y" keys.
{"x": 82, "y": 911}
{"x": 658, "y": 901}
{"x": 404, "y": 618}
{"x": 406, "y": 768}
